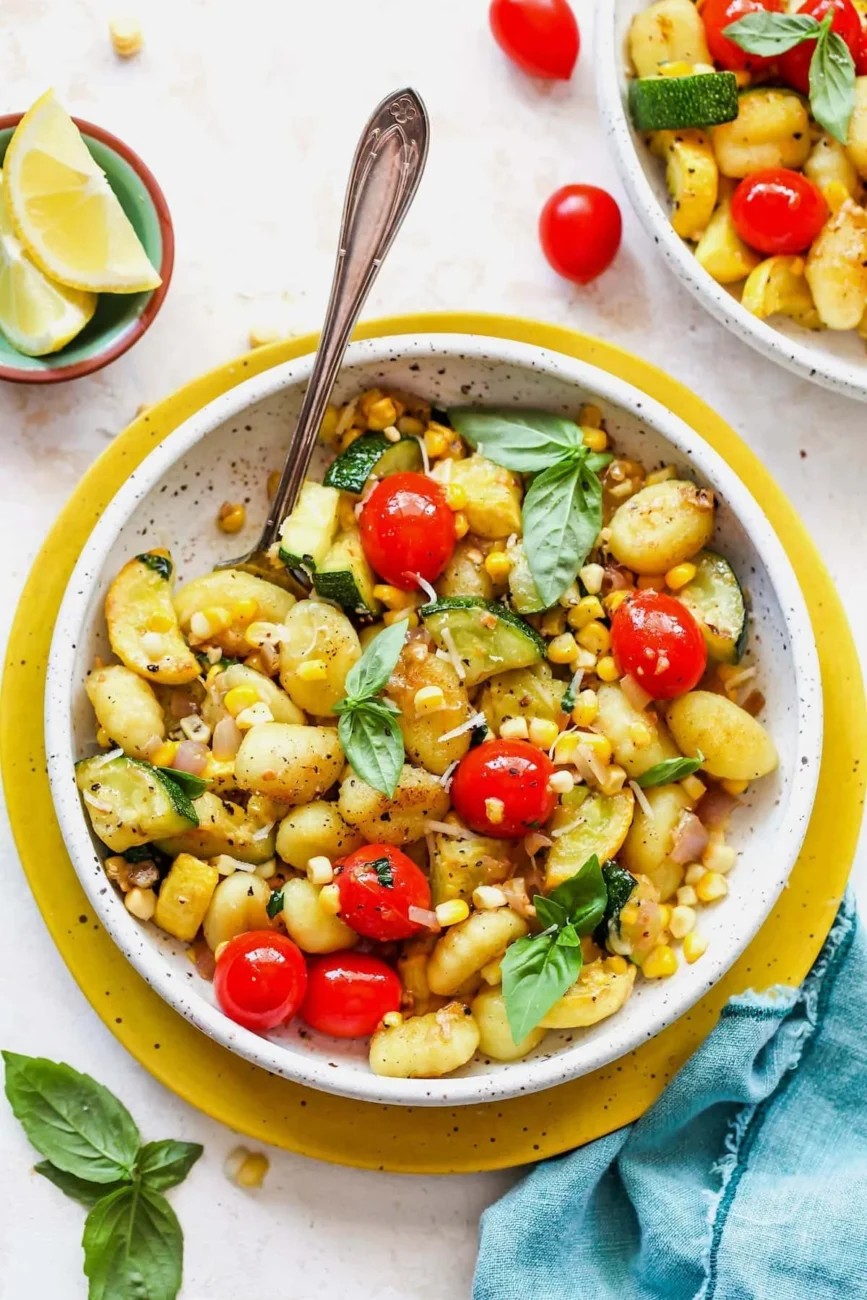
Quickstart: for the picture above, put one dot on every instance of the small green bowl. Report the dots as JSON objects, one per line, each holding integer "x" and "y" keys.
{"x": 120, "y": 319}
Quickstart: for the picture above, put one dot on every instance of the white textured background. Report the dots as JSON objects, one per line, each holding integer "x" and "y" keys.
{"x": 248, "y": 111}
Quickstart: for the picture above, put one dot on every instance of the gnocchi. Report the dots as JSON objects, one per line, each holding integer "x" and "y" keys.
{"x": 313, "y": 830}
{"x": 289, "y": 762}
{"x": 426, "y": 1047}
{"x": 418, "y": 798}
{"x": 317, "y": 633}
{"x": 661, "y": 526}
{"x": 127, "y": 708}
{"x": 466, "y": 948}
{"x": 308, "y": 923}
{"x": 239, "y": 903}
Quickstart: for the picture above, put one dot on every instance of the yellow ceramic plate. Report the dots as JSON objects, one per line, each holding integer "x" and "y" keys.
{"x": 429, "y": 1140}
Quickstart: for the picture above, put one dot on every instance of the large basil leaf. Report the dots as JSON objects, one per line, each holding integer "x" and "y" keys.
{"x": 583, "y": 896}
{"x": 376, "y": 665}
{"x": 832, "y": 84}
{"x": 133, "y": 1247}
{"x": 167, "y": 1163}
{"x": 537, "y": 971}
{"x": 77, "y": 1189}
{"x": 526, "y": 441}
{"x": 562, "y": 519}
{"x": 770, "y": 34}
{"x": 373, "y": 744}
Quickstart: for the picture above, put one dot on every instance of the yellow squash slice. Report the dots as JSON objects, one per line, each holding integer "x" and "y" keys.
{"x": 142, "y": 624}
{"x": 777, "y": 287}
{"x": 586, "y": 823}
{"x": 597, "y": 993}
{"x": 692, "y": 177}
{"x": 721, "y": 251}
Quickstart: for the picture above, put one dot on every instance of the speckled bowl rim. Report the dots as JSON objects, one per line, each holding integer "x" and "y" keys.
{"x": 803, "y": 360}
{"x": 143, "y": 322}
{"x": 522, "y": 1076}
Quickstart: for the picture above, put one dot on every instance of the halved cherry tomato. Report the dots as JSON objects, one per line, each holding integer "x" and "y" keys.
{"x": 407, "y": 529}
{"x": 348, "y": 993}
{"x": 778, "y": 211}
{"x": 260, "y": 979}
{"x": 717, "y": 15}
{"x": 657, "y": 641}
{"x": 541, "y": 36}
{"x": 378, "y": 885}
{"x": 794, "y": 65}
{"x": 580, "y": 229}
{"x": 512, "y": 773}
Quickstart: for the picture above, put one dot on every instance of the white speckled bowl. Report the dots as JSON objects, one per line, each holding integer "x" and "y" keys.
{"x": 224, "y": 453}
{"x": 836, "y": 359}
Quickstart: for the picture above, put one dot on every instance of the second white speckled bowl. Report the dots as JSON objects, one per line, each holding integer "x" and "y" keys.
{"x": 224, "y": 452}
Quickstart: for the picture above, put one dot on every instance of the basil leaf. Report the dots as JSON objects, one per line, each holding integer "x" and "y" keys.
{"x": 376, "y": 665}
{"x": 526, "y": 441}
{"x": 567, "y": 703}
{"x": 832, "y": 84}
{"x": 191, "y": 785}
{"x": 769, "y": 33}
{"x": 549, "y": 914}
{"x": 568, "y": 937}
{"x": 562, "y": 518}
{"x": 384, "y": 872}
{"x": 274, "y": 906}
{"x": 78, "y": 1189}
{"x": 670, "y": 769}
{"x": 537, "y": 971}
{"x": 133, "y": 1247}
{"x": 373, "y": 744}
{"x": 71, "y": 1119}
{"x": 167, "y": 1163}
{"x": 597, "y": 460}
{"x": 159, "y": 564}
{"x": 583, "y": 896}
{"x": 619, "y": 884}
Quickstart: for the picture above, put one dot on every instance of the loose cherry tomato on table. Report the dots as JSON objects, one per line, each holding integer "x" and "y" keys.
{"x": 778, "y": 211}
{"x": 511, "y": 773}
{"x": 656, "y": 640}
{"x": 719, "y": 14}
{"x": 348, "y": 993}
{"x": 541, "y": 36}
{"x": 794, "y": 65}
{"x": 378, "y": 885}
{"x": 260, "y": 979}
{"x": 407, "y": 529}
{"x": 580, "y": 229}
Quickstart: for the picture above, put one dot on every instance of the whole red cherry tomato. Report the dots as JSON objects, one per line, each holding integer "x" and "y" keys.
{"x": 378, "y": 885}
{"x": 716, "y": 16}
{"x": 260, "y": 979}
{"x": 580, "y": 229}
{"x": 778, "y": 211}
{"x": 794, "y": 65}
{"x": 861, "y": 56}
{"x": 348, "y": 993}
{"x": 407, "y": 529}
{"x": 511, "y": 773}
{"x": 541, "y": 36}
{"x": 657, "y": 641}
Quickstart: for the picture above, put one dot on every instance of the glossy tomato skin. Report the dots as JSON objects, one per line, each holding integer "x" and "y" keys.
{"x": 778, "y": 211}
{"x": 260, "y": 979}
{"x": 348, "y": 993}
{"x": 861, "y": 57}
{"x": 656, "y": 640}
{"x": 407, "y": 528}
{"x": 719, "y": 14}
{"x": 541, "y": 36}
{"x": 516, "y": 773}
{"x": 580, "y": 230}
{"x": 375, "y": 901}
{"x": 794, "y": 65}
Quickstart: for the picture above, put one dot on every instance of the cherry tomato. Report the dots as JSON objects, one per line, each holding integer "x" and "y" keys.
{"x": 657, "y": 641}
{"x": 580, "y": 229}
{"x": 541, "y": 36}
{"x": 407, "y": 528}
{"x": 778, "y": 211}
{"x": 515, "y": 773}
{"x": 378, "y": 885}
{"x": 794, "y": 65}
{"x": 348, "y": 993}
{"x": 861, "y": 56}
{"x": 716, "y": 16}
{"x": 260, "y": 979}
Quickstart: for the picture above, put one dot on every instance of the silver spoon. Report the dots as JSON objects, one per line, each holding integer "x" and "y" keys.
{"x": 386, "y": 170}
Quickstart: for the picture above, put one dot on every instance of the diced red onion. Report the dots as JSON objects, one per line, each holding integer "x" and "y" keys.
{"x": 635, "y": 693}
{"x": 716, "y": 807}
{"x": 205, "y": 962}
{"x": 226, "y": 739}
{"x": 690, "y": 839}
{"x": 517, "y": 896}
{"x": 182, "y": 705}
{"x": 536, "y": 841}
{"x": 616, "y": 579}
{"x": 192, "y": 757}
{"x": 150, "y": 747}
{"x": 423, "y": 916}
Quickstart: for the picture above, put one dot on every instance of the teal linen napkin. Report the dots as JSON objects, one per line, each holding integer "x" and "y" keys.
{"x": 747, "y": 1180}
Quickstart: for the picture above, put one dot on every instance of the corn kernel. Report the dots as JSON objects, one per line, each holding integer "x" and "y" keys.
{"x": 328, "y": 427}
{"x": 126, "y": 36}
{"x": 542, "y": 732}
{"x": 312, "y": 670}
{"x": 142, "y": 903}
{"x": 595, "y": 637}
{"x": 486, "y": 898}
{"x": 319, "y": 870}
{"x": 498, "y": 566}
{"x": 693, "y": 788}
{"x": 613, "y": 779}
{"x": 393, "y": 597}
{"x": 712, "y": 887}
{"x": 244, "y": 611}
{"x": 693, "y": 873}
{"x": 599, "y": 746}
{"x": 590, "y": 416}
{"x": 160, "y": 623}
{"x": 429, "y": 699}
{"x": 592, "y": 576}
{"x": 103, "y": 739}
{"x": 561, "y": 782}
{"x": 686, "y": 896}
{"x": 606, "y": 670}
{"x": 462, "y": 525}
{"x": 586, "y": 708}
{"x": 245, "y": 1168}
{"x": 629, "y": 914}
{"x": 352, "y": 434}
{"x": 651, "y": 582}
{"x": 165, "y": 755}
{"x": 588, "y": 609}
{"x": 571, "y": 596}
{"x": 514, "y": 729}
{"x": 329, "y": 899}
{"x": 407, "y": 616}
{"x": 410, "y": 427}
{"x": 391, "y": 434}
{"x": 836, "y": 194}
{"x": 595, "y": 439}
{"x": 660, "y": 963}
{"x": 254, "y": 716}
{"x": 436, "y": 440}
{"x": 719, "y": 858}
{"x": 231, "y": 517}
{"x": 553, "y": 622}
{"x": 566, "y": 747}
{"x": 679, "y": 576}
{"x": 240, "y": 698}
{"x": 734, "y": 788}
{"x": 660, "y": 475}
{"x": 694, "y": 946}
{"x": 617, "y": 965}
{"x": 492, "y": 973}
{"x": 682, "y": 921}
{"x": 563, "y": 649}
{"x": 208, "y": 622}
{"x": 392, "y": 1020}
{"x": 456, "y": 496}
{"x": 664, "y": 914}
{"x": 452, "y": 912}
{"x": 494, "y": 811}
{"x": 640, "y": 734}
{"x": 263, "y": 334}
{"x": 380, "y": 414}
{"x": 613, "y": 601}
{"x": 262, "y": 634}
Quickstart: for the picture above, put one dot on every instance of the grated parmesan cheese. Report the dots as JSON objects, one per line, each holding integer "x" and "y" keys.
{"x": 475, "y": 720}
{"x": 452, "y": 654}
{"x": 641, "y": 799}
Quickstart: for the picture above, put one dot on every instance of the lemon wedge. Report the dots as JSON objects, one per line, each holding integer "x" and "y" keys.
{"x": 64, "y": 211}
{"x": 37, "y": 315}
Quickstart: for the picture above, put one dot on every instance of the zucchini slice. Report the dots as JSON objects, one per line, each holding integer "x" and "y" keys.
{"x": 140, "y": 599}
{"x": 586, "y": 822}
{"x": 129, "y": 802}
{"x": 716, "y": 602}
{"x": 346, "y": 577}
{"x": 372, "y": 454}
{"x": 484, "y": 635}
{"x": 306, "y": 535}
{"x": 675, "y": 103}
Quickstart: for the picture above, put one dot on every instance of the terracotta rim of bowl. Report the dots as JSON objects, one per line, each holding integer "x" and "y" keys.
{"x": 144, "y": 321}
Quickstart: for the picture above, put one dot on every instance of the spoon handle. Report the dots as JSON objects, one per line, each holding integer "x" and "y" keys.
{"x": 386, "y": 171}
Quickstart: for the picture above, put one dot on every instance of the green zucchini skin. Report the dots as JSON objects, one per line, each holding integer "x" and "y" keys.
{"x": 680, "y": 103}
{"x": 484, "y": 651}
{"x": 716, "y": 602}
{"x": 371, "y": 454}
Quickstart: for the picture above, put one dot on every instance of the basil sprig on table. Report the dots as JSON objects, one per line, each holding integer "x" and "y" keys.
{"x": 670, "y": 769}
{"x": 562, "y": 510}
{"x": 538, "y": 969}
{"x": 832, "y": 69}
{"x": 369, "y": 734}
{"x": 133, "y": 1244}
